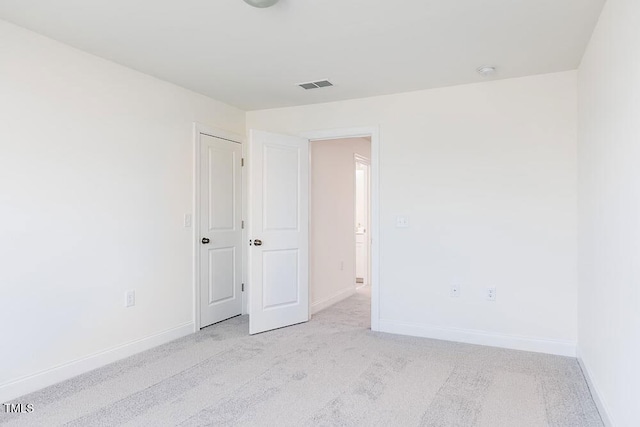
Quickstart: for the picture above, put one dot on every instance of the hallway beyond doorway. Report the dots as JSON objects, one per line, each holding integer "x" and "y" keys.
{"x": 340, "y": 222}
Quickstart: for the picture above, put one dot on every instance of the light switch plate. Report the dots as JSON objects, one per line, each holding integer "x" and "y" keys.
{"x": 187, "y": 220}
{"x": 130, "y": 298}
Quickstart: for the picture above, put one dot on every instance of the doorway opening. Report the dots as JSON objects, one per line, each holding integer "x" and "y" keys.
{"x": 340, "y": 219}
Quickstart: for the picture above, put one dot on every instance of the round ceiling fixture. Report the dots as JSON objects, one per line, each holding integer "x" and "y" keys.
{"x": 486, "y": 71}
{"x": 261, "y": 3}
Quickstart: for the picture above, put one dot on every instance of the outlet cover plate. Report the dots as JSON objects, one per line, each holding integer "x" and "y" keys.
{"x": 402, "y": 222}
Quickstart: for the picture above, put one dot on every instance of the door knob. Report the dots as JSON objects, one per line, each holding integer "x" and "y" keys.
{"x": 257, "y": 242}
{"x": 205, "y": 240}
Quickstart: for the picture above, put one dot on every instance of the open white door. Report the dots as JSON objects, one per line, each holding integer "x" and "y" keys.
{"x": 278, "y": 231}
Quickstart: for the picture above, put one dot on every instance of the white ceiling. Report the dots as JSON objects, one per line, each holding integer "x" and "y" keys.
{"x": 252, "y": 58}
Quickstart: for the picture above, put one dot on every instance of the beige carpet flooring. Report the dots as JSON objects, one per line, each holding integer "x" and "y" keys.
{"x": 331, "y": 371}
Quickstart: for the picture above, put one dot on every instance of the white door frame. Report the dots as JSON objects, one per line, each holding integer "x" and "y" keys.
{"x": 374, "y": 134}
{"x": 198, "y": 129}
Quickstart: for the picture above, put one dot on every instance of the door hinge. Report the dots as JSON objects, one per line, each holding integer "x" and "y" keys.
{"x": 242, "y": 224}
{"x": 243, "y": 287}
{"x": 242, "y": 162}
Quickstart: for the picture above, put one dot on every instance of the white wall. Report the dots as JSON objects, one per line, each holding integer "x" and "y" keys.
{"x": 609, "y": 209}
{"x": 486, "y": 174}
{"x": 332, "y": 265}
{"x": 95, "y": 177}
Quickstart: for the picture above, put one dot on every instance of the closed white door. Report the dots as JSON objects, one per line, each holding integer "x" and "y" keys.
{"x": 220, "y": 229}
{"x": 278, "y": 231}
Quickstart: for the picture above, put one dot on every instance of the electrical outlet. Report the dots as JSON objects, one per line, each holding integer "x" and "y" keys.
{"x": 130, "y": 298}
{"x": 491, "y": 294}
{"x": 455, "y": 291}
{"x": 402, "y": 222}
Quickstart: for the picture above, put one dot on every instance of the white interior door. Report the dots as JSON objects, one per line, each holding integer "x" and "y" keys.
{"x": 362, "y": 210}
{"x": 220, "y": 229}
{"x": 278, "y": 231}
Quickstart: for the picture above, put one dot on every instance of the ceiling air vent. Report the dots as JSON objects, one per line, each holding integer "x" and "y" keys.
{"x": 315, "y": 85}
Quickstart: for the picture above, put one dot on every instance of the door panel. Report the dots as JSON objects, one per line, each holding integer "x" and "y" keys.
{"x": 221, "y": 181}
{"x": 222, "y": 268}
{"x": 220, "y": 213}
{"x": 279, "y": 218}
{"x": 280, "y": 191}
{"x": 281, "y": 282}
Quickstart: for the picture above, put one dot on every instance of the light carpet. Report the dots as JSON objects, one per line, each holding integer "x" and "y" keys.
{"x": 331, "y": 371}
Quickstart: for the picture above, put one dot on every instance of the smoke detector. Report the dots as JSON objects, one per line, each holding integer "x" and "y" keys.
{"x": 261, "y": 3}
{"x": 315, "y": 85}
{"x": 486, "y": 71}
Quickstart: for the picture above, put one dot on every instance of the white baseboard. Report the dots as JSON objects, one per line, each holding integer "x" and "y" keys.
{"x": 605, "y": 414}
{"x": 30, "y": 383}
{"x": 470, "y": 336}
{"x": 327, "y": 302}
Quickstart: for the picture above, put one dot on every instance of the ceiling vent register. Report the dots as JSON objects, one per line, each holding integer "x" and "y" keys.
{"x": 315, "y": 85}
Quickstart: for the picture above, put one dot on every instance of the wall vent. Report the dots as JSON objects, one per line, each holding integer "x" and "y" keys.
{"x": 315, "y": 85}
